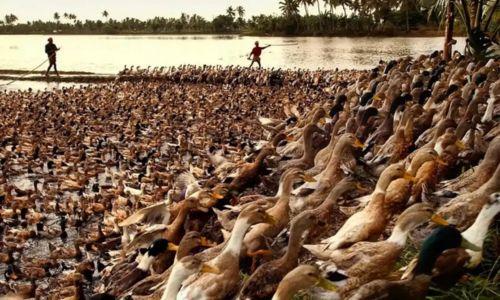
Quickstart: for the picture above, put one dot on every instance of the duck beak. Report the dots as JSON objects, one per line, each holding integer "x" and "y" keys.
{"x": 326, "y": 284}
{"x": 409, "y": 177}
{"x": 358, "y": 144}
{"x": 217, "y": 196}
{"x": 172, "y": 247}
{"x": 206, "y": 268}
{"x": 460, "y": 145}
{"x": 441, "y": 161}
{"x": 468, "y": 245}
{"x": 289, "y": 138}
{"x": 308, "y": 178}
{"x": 206, "y": 242}
{"x": 439, "y": 220}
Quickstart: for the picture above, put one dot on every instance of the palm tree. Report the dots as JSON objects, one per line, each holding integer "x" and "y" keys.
{"x": 289, "y": 8}
{"x": 57, "y": 17}
{"x": 241, "y": 11}
{"x": 231, "y": 12}
{"x": 105, "y": 14}
{"x": 10, "y": 19}
{"x": 477, "y": 26}
{"x": 306, "y": 3}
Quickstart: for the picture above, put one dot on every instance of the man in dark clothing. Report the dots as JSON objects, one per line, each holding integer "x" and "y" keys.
{"x": 256, "y": 52}
{"x": 51, "y": 50}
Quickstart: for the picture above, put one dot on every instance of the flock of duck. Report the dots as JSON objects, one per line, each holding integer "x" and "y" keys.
{"x": 232, "y": 183}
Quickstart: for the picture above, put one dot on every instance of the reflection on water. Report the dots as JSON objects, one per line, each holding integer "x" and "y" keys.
{"x": 108, "y": 54}
{"x": 35, "y": 85}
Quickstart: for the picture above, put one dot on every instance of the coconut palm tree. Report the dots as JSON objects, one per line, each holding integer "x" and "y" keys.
{"x": 231, "y": 12}
{"x": 10, "y": 19}
{"x": 241, "y": 11}
{"x": 105, "y": 14}
{"x": 306, "y": 3}
{"x": 57, "y": 17}
{"x": 476, "y": 16}
{"x": 289, "y": 8}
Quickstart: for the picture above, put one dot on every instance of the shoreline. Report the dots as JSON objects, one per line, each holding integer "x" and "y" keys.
{"x": 411, "y": 34}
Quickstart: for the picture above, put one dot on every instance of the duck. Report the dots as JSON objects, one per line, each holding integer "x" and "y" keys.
{"x": 218, "y": 286}
{"x": 333, "y": 173}
{"x": 300, "y": 278}
{"x": 472, "y": 179}
{"x": 463, "y": 209}
{"x": 118, "y": 286}
{"x": 416, "y": 287}
{"x": 64, "y": 253}
{"x": 264, "y": 281}
{"x": 452, "y": 264}
{"x": 256, "y": 237}
{"x": 170, "y": 232}
{"x": 249, "y": 172}
{"x": 366, "y": 261}
{"x": 184, "y": 268}
{"x": 306, "y": 161}
{"x": 389, "y": 176}
{"x": 190, "y": 242}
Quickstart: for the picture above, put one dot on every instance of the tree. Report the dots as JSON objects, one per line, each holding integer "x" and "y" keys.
{"x": 105, "y": 14}
{"x": 230, "y": 12}
{"x": 306, "y": 3}
{"x": 241, "y": 11}
{"x": 480, "y": 41}
{"x": 57, "y": 17}
{"x": 10, "y": 19}
{"x": 289, "y": 8}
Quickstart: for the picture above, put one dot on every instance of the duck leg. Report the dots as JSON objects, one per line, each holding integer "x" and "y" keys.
{"x": 255, "y": 254}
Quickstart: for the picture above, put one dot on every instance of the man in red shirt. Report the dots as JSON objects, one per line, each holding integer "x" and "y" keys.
{"x": 256, "y": 52}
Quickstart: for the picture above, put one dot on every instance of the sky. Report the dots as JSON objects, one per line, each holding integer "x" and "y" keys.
{"x": 28, "y": 10}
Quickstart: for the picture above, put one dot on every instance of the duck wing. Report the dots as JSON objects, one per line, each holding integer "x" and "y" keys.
{"x": 144, "y": 239}
{"x": 150, "y": 213}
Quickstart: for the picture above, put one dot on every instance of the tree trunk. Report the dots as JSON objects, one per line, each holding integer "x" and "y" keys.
{"x": 319, "y": 16}
{"x": 490, "y": 16}
{"x": 305, "y": 8}
{"x": 478, "y": 18}
{"x": 450, "y": 19}
{"x": 407, "y": 17}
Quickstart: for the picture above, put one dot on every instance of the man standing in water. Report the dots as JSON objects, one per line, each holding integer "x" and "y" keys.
{"x": 256, "y": 52}
{"x": 51, "y": 49}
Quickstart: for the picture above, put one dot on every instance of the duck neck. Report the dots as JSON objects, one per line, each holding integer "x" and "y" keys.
{"x": 493, "y": 184}
{"x": 233, "y": 248}
{"x": 477, "y": 232}
{"x": 382, "y": 184}
{"x": 294, "y": 244}
{"x": 308, "y": 145}
{"x": 285, "y": 188}
{"x": 399, "y": 236}
{"x": 179, "y": 220}
{"x": 332, "y": 198}
{"x": 174, "y": 282}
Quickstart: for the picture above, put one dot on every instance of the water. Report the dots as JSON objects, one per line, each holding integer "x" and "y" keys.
{"x": 108, "y": 54}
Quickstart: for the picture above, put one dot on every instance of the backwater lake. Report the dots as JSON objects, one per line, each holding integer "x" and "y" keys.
{"x": 107, "y": 54}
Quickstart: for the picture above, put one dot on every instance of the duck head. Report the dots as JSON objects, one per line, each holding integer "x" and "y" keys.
{"x": 254, "y": 214}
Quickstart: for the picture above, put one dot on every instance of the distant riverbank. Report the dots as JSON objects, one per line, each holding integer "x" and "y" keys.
{"x": 108, "y": 54}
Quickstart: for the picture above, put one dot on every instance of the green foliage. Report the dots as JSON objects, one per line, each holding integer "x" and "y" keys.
{"x": 364, "y": 18}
